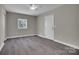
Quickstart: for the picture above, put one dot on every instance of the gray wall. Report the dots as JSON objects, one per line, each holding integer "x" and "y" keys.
{"x": 40, "y": 25}
{"x": 2, "y": 25}
{"x": 67, "y": 24}
{"x": 12, "y": 28}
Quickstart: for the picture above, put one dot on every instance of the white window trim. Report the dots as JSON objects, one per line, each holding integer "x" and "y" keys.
{"x": 23, "y": 20}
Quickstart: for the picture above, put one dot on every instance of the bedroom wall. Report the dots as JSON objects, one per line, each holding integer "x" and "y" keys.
{"x": 67, "y": 24}
{"x": 12, "y": 28}
{"x": 2, "y": 26}
{"x": 40, "y": 25}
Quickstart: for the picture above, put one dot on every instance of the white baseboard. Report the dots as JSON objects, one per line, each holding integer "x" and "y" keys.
{"x": 67, "y": 44}
{"x": 20, "y": 36}
{"x": 1, "y": 46}
{"x": 44, "y": 37}
{"x": 74, "y": 46}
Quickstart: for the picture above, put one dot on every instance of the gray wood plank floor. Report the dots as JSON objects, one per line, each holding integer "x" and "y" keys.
{"x": 35, "y": 45}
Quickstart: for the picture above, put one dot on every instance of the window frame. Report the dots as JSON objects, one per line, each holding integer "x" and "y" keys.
{"x": 20, "y": 22}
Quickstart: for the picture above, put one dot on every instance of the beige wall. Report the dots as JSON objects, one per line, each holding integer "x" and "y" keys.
{"x": 40, "y": 25}
{"x": 67, "y": 24}
{"x": 2, "y": 26}
{"x": 12, "y": 28}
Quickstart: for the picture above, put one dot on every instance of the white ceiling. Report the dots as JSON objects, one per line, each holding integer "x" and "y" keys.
{"x": 23, "y": 8}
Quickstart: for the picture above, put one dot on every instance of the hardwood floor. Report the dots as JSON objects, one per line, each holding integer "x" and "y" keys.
{"x": 35, "y": 45}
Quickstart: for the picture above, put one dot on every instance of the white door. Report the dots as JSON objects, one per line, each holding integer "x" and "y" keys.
{"x": 49, "y": 26}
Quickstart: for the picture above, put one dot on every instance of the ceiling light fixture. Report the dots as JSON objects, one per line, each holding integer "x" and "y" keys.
{"x": 33, "y": 7}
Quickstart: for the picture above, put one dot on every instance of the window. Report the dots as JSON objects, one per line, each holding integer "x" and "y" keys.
{"x": 22, "y": 23}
